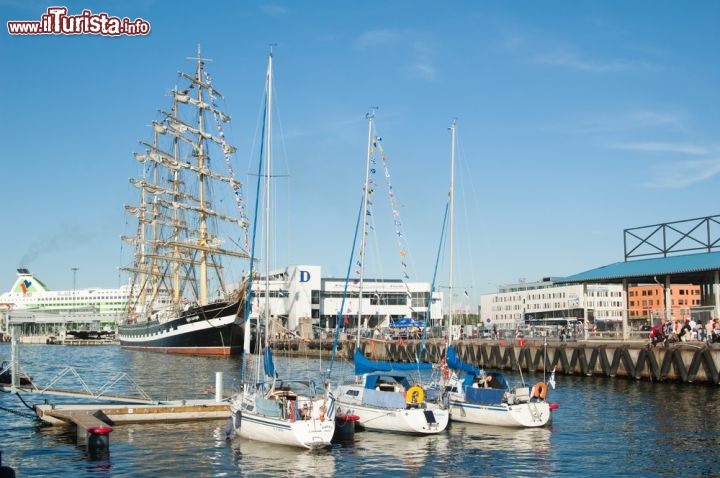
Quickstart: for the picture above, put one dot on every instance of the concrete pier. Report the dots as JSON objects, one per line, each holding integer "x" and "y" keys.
{"x": 688, "y": 362}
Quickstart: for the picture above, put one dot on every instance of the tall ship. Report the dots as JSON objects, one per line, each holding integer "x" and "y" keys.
{"x": 191, "y": 234}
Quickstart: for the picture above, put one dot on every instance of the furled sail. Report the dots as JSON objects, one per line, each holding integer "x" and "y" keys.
{"x": 364, "y": 365}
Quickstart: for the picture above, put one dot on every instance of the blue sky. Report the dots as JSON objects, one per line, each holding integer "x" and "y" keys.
{"x": 576, "y": 120}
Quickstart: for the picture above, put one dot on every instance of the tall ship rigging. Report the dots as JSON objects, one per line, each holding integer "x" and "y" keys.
{"x": 191, "y": 233}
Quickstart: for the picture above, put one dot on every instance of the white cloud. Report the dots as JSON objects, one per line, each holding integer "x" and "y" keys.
{"x": 273, "y": 9}
{"x": 681, "y": 174}
{"x": 575, "y": 61}
{"x": 421, "y": 54}
{"x": 425, "y": 70}
{"x": 376, "y": 38}
{"x": 652, "y": 147}
{"x": 631, "y": 121}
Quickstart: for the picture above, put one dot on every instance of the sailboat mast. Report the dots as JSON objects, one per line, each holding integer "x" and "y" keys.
{"x": 175, "y": 263}
{"x": 201, "y": 187}
{"x": 268, "y": 119}
{"x": 452, "y": 228}
{"x": 371, "y": 118}
{"x": 151, "y": 269}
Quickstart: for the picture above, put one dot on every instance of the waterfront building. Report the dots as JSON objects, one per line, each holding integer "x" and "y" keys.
{"x": 648, "y": 301}
{"x": 527, "y": 304}
{"x": 299, "y": 294}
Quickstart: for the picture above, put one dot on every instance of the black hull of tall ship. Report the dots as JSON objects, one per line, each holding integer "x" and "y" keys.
{"x": 213, "y": 329}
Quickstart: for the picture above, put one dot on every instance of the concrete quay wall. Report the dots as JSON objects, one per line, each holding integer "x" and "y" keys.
{"x": 680, "y": 362}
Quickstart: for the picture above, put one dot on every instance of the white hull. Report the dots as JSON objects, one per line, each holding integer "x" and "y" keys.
{"x": 314, "y": 430}
{"x": 523, "y": 415}
{"x": 305, "y": 434}
{"x": 422, "y": 420}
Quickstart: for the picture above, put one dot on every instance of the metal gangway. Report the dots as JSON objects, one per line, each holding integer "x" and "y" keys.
{"x": 102, "y": 393}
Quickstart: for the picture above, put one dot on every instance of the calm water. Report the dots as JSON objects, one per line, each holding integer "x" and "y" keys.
{"x": 603, "y": 427}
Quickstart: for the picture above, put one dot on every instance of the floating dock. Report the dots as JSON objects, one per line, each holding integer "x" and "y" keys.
{"x": 117, "y": 413}
{"x": 94, "y": 422}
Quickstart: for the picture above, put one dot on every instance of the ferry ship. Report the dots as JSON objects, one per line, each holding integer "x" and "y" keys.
{"x": 46, "y": 313}
{"x": 30, "y": 294}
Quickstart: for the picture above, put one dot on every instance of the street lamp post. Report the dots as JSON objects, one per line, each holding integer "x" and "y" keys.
{"x": 75, "y": 269}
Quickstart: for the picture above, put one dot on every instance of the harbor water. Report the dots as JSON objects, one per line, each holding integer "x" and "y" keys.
{"x": 603, "y": 426}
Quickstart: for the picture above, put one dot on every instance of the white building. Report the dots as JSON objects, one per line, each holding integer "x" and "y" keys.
{"x": 299, "y": 292}
{"x": 538, "y": 303}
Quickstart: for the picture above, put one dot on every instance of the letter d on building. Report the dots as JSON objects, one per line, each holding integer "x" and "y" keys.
{"x": 304, "y": 276}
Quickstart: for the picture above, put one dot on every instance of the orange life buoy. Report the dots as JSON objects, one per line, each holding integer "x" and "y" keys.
{"x": 540, "y": 390}
{"x": 415, "y": 395}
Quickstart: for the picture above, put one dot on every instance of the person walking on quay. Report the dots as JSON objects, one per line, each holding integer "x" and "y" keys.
{"x": 667, "y": 327}
{"x": 657, "y": 336}
{"x": 713, "y": 331}
{"x": 685, "y": 331}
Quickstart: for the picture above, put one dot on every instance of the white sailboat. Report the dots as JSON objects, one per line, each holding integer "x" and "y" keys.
{"x": 181, "y": 301}
{"x": 273, "y": 410}
{"x": 479, "y": 397}
{"x": 385, "y": 397}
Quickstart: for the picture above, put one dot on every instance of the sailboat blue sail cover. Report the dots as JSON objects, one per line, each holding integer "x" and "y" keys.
{"x": 454, "y": 362}
{"x": 364, "y": 365}
{"x": 268, "y": 363}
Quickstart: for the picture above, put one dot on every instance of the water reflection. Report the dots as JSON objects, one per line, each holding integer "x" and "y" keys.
{"x": 489, "y": 438}
{"x": 603, "y": 426}
{"x": 398, "y": 455}
{"x": 499, "y": 450}
{"x": 254, "y": 458}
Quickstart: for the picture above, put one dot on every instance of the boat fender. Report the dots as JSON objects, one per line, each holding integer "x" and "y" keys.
{"x": 540, "y": 390}
{"x": 445, "y": 369}
{"x": 415, "y": 395}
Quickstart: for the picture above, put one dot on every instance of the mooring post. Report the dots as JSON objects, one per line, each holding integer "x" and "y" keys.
{"x": 218, "y": 387}
{"x": 91, "y": 431}
{"x": 6, "y": 471}
{"x": 14, "y": 365}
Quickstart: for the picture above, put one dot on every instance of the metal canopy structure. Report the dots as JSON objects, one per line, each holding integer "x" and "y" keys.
{"x": 668, "y": 238}
{"x": 666, "y": 252}
{"x": 667, "y": 259}
{"x": 688, "y": 268}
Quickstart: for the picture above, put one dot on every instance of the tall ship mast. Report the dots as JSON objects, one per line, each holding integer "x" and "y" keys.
{"x": 191, "y": 230}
